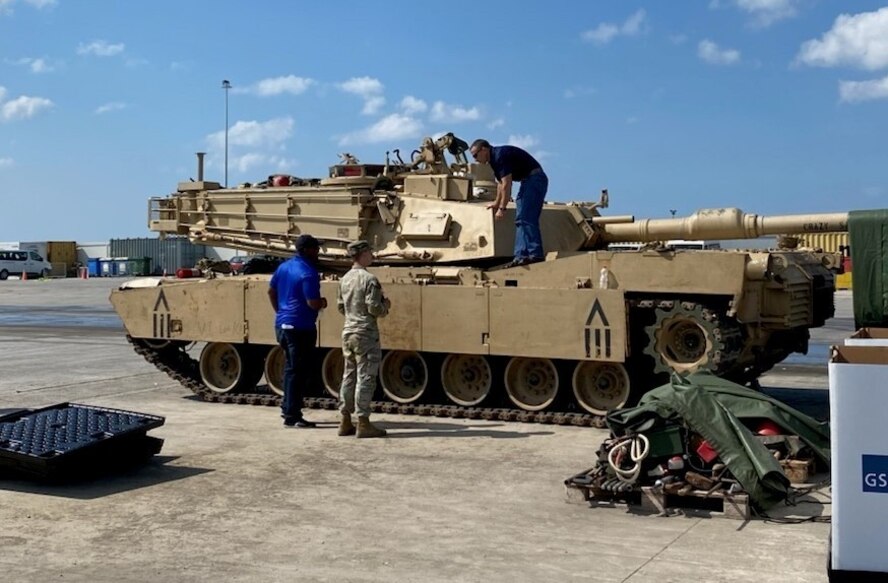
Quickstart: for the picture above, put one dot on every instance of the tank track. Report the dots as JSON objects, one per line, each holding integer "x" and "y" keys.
{"x": 178, "y": 365}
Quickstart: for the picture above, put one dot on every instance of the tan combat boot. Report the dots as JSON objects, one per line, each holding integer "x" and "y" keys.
{"x": 367, "y": 429}
{"x": 346, "y": 427}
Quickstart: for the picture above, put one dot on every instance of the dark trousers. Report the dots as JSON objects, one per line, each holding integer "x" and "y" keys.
{"x": 299, "y": 347}
{"x": 529, "y": 205}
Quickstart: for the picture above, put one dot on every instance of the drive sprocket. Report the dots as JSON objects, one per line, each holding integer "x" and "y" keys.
{"x": 689, "y": 337}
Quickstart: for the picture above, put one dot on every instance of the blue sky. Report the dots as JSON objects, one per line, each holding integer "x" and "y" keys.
{"x": 774, "y": 106}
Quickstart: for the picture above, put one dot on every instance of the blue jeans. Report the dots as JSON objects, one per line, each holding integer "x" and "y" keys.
{"x": 299, "y": 348}
{"x": 529, "y": 203}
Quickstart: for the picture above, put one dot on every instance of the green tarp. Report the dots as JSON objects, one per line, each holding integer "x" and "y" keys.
{"x": 714, "y": 407}
{"x": 868, "y": 233}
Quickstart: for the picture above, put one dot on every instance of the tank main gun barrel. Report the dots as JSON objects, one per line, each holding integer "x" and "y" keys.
{"x": 723, "y": 223}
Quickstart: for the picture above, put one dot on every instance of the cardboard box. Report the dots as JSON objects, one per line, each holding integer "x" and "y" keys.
{"x": 868, "y": 337}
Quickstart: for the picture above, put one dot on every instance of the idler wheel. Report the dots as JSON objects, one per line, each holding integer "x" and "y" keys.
{"x": 274, "y": 370}
{"x": 600, "y": 387}
{"x": 404, "y": 375}
{"x": 229, "y": 368}
{"x": 466, "y": 378}
{"x": 331, "y": 371}
{"x": 531, "y": 383}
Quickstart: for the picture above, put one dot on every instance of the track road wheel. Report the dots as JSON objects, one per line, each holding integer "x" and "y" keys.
{"x": 229, "y": 368}
{"x": 274, "y": 370}
{"x": 600, "y": 387}
{"x": 331, "y": 371}
{"x": 466, "y": 378}
{"x": 531, "y": 383}
{"x": 404, "y": 375}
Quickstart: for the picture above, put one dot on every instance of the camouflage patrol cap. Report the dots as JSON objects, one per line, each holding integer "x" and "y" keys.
{"x": 356, "y": 247}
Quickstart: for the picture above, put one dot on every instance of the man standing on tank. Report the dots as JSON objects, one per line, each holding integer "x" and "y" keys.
{"x": 361, "y": 301}
{"x": 295, "y": 294}
{"x": 512, "y": 164}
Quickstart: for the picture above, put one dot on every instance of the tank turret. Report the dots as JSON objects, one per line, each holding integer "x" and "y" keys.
{"x": 426, "y": 211}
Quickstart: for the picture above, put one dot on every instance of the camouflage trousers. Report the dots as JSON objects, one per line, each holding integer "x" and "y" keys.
{"x": 362, "y": 355}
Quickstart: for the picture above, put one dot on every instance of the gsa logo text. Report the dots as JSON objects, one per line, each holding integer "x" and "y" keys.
{"x": 875, "y": 473}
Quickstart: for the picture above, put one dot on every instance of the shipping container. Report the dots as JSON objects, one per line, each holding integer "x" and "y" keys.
{"x": 61, "y": 252}
{"x": 166, "y": 254}
{"x": 829, "y": 242}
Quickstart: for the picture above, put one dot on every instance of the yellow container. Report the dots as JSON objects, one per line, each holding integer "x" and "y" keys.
{"x": 829, "y": 242}
{"x": 844, "y": 281}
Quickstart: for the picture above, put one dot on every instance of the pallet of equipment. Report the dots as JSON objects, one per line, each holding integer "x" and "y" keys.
{"x": 68, "y": 440}
{"x": 651, "y": 500}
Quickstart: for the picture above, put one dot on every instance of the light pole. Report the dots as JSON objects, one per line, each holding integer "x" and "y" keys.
{"x": 226, "y": 86}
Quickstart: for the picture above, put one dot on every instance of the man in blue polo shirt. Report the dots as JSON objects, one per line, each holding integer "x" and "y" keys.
{"x": 295, "y": 294}
{"x": 512, "y": 164}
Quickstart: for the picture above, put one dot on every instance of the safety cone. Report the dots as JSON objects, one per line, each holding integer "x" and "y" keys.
{"x": 24, "y": 276}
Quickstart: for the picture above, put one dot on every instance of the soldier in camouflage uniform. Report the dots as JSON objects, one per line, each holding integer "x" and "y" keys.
{"x": 361, "y": 301}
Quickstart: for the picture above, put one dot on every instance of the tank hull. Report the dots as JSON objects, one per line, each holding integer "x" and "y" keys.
{"x": 625, "y": 318}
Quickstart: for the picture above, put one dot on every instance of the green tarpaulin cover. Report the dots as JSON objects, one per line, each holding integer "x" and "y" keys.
{"x": 868, "y": 232}
{"x": 713, "y": 407}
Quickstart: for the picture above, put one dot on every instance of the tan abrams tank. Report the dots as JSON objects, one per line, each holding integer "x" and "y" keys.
{"x": 564, "y": 340}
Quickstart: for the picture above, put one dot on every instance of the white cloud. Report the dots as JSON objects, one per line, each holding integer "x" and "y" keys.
{"x": 396, "y": 126}
{"x": 607, "y": 31}
{"x": 856, "y": 91}
{"x": 133, "y": 62}
{"x": 713, "y": 54}
{"x": 859, "y": 40}
{"x": 373, "y": 104}
{"x": 100, "y": 48}
{"x": 367, "y": 88}
{"x": 363, "y": 86}
{"x": 767, "y": 12}
{"x": 498, "y": 122}
{"x": 246, "y": 162}
{"x": 6, "y": 162}
{"x": 277, "y": 86}
{"x": 40, "y": 65}
{"x": 764, "y": 12}
{"x": 524, "y": 142}
{"x": 112, "y": 106}
{"x": 678, "y": 39}
{"x": 255, "y": 134}
{"x": 447, "y": 113}
{"x": 6, "y": 5}
{"x": 23, "y": 107}
{"x": 252, "y": 144}
{"x": 412, "y": 105}
{"x": 572, "y": 92}
{"x": 2, "y": 92}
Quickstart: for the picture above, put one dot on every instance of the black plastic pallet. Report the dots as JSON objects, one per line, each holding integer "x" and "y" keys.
{"x": 67, "y": 439}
